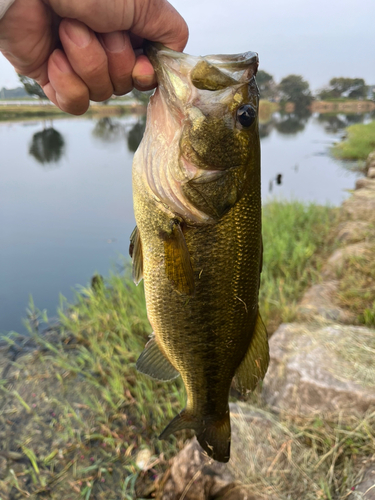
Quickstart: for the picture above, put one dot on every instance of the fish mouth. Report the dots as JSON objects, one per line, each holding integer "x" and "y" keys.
{"x": 241, "y": 67}
{"x": 178, "y": 73}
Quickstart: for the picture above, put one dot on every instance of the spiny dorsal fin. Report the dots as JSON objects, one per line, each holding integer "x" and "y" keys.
{"x": 255, "y": 363}
{"x": 135, "y": 252}
{"x": 153, "y": 363}
{"x": 177, "y": 261}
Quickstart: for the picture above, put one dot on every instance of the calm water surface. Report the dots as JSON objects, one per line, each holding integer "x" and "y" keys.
{"x": 66, "y": 201}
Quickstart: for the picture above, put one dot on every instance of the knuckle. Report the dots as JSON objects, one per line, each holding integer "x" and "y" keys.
{"x": 95, "y": 70}
{"x": 101, "y": 96}
{"x": 75, "y": 103}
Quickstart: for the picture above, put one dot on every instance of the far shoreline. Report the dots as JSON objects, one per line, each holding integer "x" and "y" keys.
{"x": 20, "y": 111}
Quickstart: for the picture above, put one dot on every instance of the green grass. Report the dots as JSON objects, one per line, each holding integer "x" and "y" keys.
{"x": 342, "y": 99}
{"x": 305, "y": 458}
{"x": 296, "y": 241}
{"x": 360, "y": 142}
{"x": 357, "y": 285}
{"x": 91, "y": 366}
{"x": 104, "y": 412}
{"x": 13, "y": 112}
{"x": 24, "y": 111}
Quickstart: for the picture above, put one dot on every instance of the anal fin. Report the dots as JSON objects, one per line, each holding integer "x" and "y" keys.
{"x": 177, "y": 261}
{"x": 153, "y": 363}
{"x": 135, "y": 252}
{"x": 255, "y": 363}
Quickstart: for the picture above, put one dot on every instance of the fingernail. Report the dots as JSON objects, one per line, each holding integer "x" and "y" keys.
{"x": 145, "y": 81}
{"x": 61, "y": 62}
{"x": 78, "y": 33}
{"x": 114, "y": 41}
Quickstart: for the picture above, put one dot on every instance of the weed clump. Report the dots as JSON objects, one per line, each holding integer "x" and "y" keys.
{"x": 296, "y": 241}
{"x": 357, "y": 286}
{"x": 359, "y": 143}
{"x": 86, "y": 413}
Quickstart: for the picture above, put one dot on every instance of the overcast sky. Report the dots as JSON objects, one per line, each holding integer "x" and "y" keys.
{"x": 317, "y": 39}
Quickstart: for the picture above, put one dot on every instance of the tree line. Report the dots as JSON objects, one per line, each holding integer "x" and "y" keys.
{"x": 292, "y": 88}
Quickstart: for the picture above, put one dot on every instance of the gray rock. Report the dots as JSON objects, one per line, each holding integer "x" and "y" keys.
{"x": 366, "y": 489}
{"x": 354, "y": 231}
{"x": 366, "y": 182}
{"x": 360, "y": 206}
{"x": 321, "y": 369}
{"x": 371, "y": 171}
{"x": 335, "y": 264}
{"x": 318, "y": 304}
{"x": 370, "y": 162}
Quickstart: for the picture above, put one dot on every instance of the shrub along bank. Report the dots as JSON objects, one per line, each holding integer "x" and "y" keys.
{"x": 359, "y": 142}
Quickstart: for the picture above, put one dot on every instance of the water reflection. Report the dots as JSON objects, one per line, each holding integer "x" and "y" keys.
{"x": 136, "y": 133}
{"x": 108, "y": 130}
{"x": 266, "y": 128}
{"x": 292, "y": 123}
{"x": 47, "y": 146}
{"x": 334, "y": 122}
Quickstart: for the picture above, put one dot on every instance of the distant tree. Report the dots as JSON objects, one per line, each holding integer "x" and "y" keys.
{"x": 266, "y": 84}
{"x": 295, "y": 89}
{"x": 12, "y": 93}
{"x": 354, "y": 88}
{"x": 333, "y": 122}
{"x": 32, "y": 87}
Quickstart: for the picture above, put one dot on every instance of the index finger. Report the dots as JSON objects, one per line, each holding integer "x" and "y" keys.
{"x": 155, "y": 20}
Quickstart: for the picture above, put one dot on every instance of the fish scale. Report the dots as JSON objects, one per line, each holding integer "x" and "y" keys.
{"x": 202, "y": 277}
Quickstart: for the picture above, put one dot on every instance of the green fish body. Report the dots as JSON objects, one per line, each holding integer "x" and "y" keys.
{"x": 197, "y": 244}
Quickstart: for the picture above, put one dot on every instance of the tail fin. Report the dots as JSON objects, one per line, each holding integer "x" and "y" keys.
{"x": 212, "y": 434}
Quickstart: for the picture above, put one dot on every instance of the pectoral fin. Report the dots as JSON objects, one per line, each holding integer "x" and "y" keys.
{"x": 153, "y": 363}
{"x": 135, "y": 252}
{"x": 177, "y": 261}
{"x": 255, "y": 363}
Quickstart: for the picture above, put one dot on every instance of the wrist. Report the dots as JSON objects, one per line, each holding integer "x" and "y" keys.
{"x": 4, "y": 6}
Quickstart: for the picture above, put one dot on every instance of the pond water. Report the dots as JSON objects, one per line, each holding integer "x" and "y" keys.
{"x": 66, "y": 201}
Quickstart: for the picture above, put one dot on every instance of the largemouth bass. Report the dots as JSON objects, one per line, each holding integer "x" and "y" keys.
{"x": 197, "y": 244}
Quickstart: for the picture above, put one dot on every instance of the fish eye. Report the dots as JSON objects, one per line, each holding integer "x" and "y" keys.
{"x": 246, "y": 115}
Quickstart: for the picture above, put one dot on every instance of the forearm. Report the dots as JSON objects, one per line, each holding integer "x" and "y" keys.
{"x": 4, "y": 6}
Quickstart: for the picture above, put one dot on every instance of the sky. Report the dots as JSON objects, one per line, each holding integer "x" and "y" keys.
{"x": 318, "y": 40}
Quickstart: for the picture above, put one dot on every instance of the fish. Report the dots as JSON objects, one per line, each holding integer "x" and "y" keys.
{"x": 197, "y": 244}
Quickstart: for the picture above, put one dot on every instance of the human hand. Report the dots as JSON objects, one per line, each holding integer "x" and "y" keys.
{"x": 82, "y": 50}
